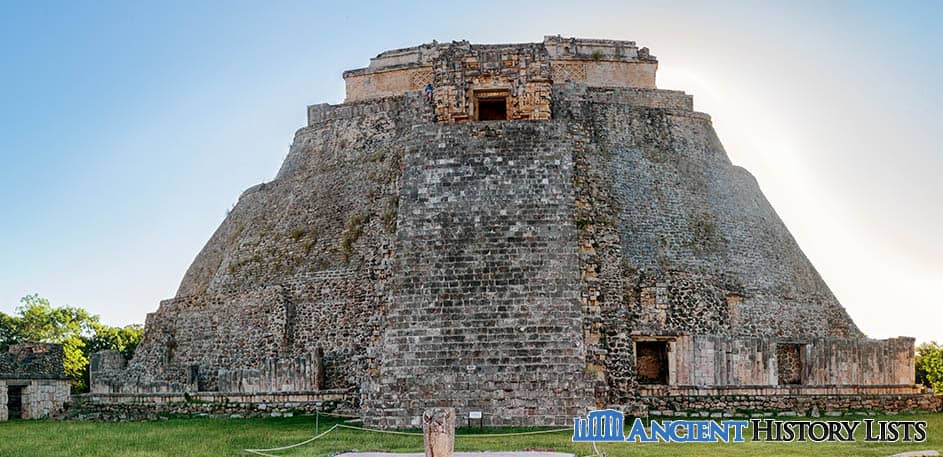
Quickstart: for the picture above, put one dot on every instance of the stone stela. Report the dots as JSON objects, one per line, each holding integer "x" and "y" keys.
{"x": 529, "y": 231}
{"x": 438, "y": 432}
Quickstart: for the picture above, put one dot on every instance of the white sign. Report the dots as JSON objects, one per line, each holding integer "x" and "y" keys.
{"x": 474, "y": 414}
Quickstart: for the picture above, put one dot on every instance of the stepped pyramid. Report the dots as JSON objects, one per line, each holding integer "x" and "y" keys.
{"x": 526, "y": 230}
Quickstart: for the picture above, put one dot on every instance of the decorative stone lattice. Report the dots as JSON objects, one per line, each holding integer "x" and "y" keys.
{"x": 421, "y": 78}
{"x": 568, "y": 72}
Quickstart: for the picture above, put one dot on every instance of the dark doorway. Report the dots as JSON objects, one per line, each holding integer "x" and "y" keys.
{"x": 15, "y": 402}
{"x": 651, "y": 362}
{"x": 493, "y": 109}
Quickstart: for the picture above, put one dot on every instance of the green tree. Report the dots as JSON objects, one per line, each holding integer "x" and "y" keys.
{"x": 40, "y": 321}
{"x": 929, "y": 366}
{"x": 68, "y": 326}
{"x": 79, "y": 332}
{"x": 9, "y": 330}
{"x": 124, "y": 339}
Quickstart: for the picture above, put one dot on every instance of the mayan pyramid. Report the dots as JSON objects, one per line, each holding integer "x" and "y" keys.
{"x": 527, "y": 230}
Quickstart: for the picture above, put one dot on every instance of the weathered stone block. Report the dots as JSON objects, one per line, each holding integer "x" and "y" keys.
{"x": 438, "y": 430}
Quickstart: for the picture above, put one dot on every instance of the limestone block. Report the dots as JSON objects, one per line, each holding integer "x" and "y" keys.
{"x": 438, "y": 430}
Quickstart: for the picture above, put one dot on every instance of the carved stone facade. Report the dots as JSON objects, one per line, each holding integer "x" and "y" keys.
{"x": 462, "y": 77}
{"x": 516, "y": 76}
{"x": 596, "y": 248}
{"x": 33, "y": 384}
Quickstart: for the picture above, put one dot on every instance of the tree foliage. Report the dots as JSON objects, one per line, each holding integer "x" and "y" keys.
{"x": 929, "y": 366}
{"x": 8, "y": 331}
{"x": 79, "y": 332}
{"x": 124, "y": 339}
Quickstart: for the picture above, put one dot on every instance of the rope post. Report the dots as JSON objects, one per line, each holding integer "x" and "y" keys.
{"x": 335, "y": 440}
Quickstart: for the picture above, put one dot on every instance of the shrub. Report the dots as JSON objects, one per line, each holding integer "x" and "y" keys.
{"x": 352, "y": 233}
{"x": 929, "y": 366}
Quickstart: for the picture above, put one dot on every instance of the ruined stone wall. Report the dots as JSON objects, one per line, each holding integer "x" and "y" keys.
{"x": 841, "y": 362}
{"x": 393, "y": 73}
{"x": 300, "y": 263}
{"x": 669, "y": 101}
{"x": 113, "y": 407}
{"x": 106, "y": 371}
{"x": 7, "y": 363}
{"x": 303, "y": 373}
{"x": 675, "y": 240}
{"x": 568, "y": 48}
{"x": 710, "y": 360}
{"x": 43, "y": 398}
{"x": 4, "y": 413}
{"x": 39, "y": 368}
{"x": 137, "y": 380}
{"x": 604, "y": 73}
{"x": 364, "y": 85}
{"x": 600, "y": 63}
{"x": 784, "y": 401}
{"x": 486, "y": 314}
{"x": 713, "y": 360}
{"x": 282, "y": 375}
{"x": 32, "y": 360}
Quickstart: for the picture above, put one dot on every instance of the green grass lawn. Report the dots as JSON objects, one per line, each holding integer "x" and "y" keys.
{"x": 213, "y": 437}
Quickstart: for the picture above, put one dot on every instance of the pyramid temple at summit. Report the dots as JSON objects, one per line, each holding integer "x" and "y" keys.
{"x": 529, "y": 231}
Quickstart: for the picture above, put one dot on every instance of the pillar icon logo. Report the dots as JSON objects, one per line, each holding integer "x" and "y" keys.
{"x": 601, "y": 425}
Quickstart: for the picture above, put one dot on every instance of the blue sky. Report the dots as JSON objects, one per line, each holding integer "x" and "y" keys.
{"x": 128, "y": 129}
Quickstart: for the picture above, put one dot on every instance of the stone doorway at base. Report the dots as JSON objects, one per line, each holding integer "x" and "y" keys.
{"x": 15, "y": 402}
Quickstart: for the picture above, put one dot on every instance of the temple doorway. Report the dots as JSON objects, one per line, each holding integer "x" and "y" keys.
{"x": 15, "y": 402}
{"x": 491, "y": 105}
{"x": 651, "y": 361}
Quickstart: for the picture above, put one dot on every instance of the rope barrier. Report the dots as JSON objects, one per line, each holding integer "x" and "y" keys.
{"x": 292, "y": 446}
{"x": 491, "y": 435}
{"x": 477, "y": 435}
{"x": 346, "y": 416}
{"x": 264, "y": 452}
{"x": 388, "y": 432}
